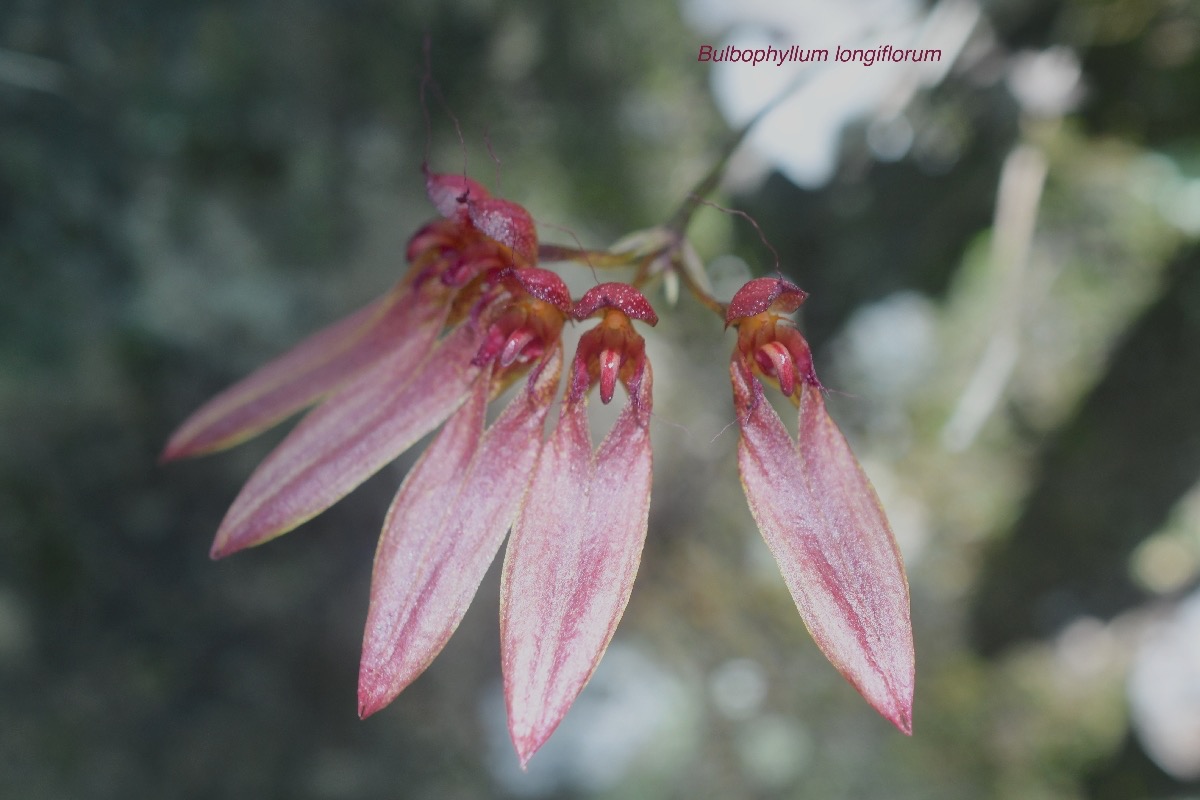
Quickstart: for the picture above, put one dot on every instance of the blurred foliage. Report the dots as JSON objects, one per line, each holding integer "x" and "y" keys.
{"x": 187, "y": 187}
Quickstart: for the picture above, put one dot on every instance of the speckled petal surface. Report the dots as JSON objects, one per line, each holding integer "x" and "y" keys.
{"x": 443, "y": 530}
{"x": 347, "y": 439}
{"x": 401, "y": 325}
{"x": 570, "y": 565}
{"x": 823, "y": 522}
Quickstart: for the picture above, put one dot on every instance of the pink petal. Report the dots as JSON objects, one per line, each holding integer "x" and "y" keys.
{"x": 823, "y": 522}
{"x": 620, "y": 296}
{"x": 764, "y": 294}
{"x": 570, "y": 565}
{"x": 507, "y": 223}
{"x": 443, "y": 530}
{"x": 347, "y": 439}
{"x": 543, "y": 284}
{"x": 403, "y": 322}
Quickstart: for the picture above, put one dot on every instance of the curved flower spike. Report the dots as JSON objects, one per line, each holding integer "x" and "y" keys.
{"x": 821, "y": 518}
{"x": 574, "y": 552}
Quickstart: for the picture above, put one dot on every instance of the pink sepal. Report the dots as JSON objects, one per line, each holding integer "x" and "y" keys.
{"x": 570, "y": 564}
{"x": 443, "y": 530}
{"x": 401, "y": 325}
{"x": 824, "y": 524}
{"x": 347, "y": 439}
{"x": 507, "y": 223}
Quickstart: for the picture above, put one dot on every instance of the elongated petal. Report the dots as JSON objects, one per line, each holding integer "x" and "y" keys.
{"x": 507, "y": 223}
{"x": 821, "y": 518}
{"x": 442, "y": 532}
{"x": 570, "y": 565}
{"x": 397, "y": 323}
{"x": 347, "y": 439}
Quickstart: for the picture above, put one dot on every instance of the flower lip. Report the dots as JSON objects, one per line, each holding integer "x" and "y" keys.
{"x": 776, "y": 360}
{"x": 760, "y": 295}
{"x": 521, "y": 313}
{"x": 620, "y": 296}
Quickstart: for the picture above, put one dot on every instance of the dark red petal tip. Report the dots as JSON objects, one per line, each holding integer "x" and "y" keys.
{"x": 451, "y": 193}
{"x": 507, "y": 223}
{"x": 620, "y": 296}
{"x": 542, "y": 284}
{"x": 764, "y": 294}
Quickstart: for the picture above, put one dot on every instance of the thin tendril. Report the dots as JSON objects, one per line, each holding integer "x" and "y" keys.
{"x": 428, "y": 82}
{"x": 426, "y": 78}
{"x": 487, "y": 141}
{"x": 682, "y": 218}
{"x": 753, "y": 222}
{"x": 581, "y": 254}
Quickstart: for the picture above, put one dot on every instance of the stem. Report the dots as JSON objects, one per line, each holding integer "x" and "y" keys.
{"x": 705, "y": 299}
{"x": 593, "y": 258}
{"x": 683, "y": 217}
{"x": 678, "y": 224}
{"x": 695, "y": 198}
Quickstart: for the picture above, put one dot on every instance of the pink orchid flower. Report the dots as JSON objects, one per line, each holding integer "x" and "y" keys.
{"x": 471, "y": 317}
{"x": 574, "y": 552}
{"x": 816, "y": 509}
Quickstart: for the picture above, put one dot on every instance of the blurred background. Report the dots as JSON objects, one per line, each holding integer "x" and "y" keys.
{"x": 1001, "y": 251}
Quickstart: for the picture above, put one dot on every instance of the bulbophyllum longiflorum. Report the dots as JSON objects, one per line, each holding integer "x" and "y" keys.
{"x": 475, "y": 314}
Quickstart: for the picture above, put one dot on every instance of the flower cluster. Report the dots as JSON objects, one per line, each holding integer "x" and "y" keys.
{"x": 473, "y": 316}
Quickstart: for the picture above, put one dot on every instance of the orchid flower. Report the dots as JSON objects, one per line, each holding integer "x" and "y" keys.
{"x": 816, "y": 508}
{"x": 474, "y": 315}
{"x": 574, "y": 552}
